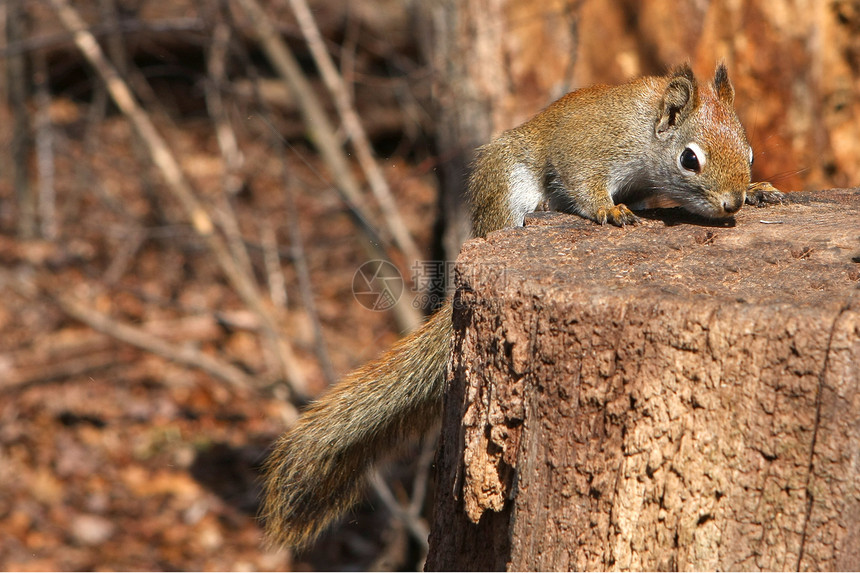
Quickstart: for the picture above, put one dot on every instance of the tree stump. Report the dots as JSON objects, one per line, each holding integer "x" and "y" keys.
{"x": 681, "y": 394}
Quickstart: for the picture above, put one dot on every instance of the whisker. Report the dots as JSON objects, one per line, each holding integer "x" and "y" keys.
{"x": 783, "y": 175}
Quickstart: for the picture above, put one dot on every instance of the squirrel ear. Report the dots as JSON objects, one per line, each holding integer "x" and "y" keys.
{"x": 679, "y": 99}
{"x": 725, "y": 90}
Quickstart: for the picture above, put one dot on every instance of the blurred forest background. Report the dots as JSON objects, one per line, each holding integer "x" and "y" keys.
{"x": 187, "y": 189}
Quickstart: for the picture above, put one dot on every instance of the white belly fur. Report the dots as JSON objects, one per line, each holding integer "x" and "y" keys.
{"x": 524, "y": 192}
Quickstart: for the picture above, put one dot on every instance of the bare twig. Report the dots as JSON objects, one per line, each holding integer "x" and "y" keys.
{"x": 180, "y": 187}
{"x": 272, "y": 262}
{"x": 132, "y": 240}
{"x": 17, "y": 93}
{"x": 42, "y": 373}
{"x": 52, "y": 42}
{"x": 394, "y": 550}
{"x": 229, "y": 223}
{"x": 410, "y": 514}
{"x": 297, "y": 249}
{"x": 422, "y": 473}
{"x": 115, "y": 27}
{"x": 44, "y": 149}
{"x": 115, "y": 46}
{"x": 227, "y": 141}
{"x": 322, "y": 133}
{"x": 416, "y": 526}
{"x": 5, "y": 135}
{"x": 348, "y": 50}
{"x": 231, "y": 182}
{"x": 122, "y": 96}
{"x": 316, "y": 121}
{"x": 77, "y": 351}
{"x": 303, "y": 275}
{"x": 37, "y": 288}
{"x": 355, "y": 130}
{"x": 184, "y": 354}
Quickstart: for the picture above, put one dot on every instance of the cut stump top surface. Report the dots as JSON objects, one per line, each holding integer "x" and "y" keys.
{"x": 806, "y": 252}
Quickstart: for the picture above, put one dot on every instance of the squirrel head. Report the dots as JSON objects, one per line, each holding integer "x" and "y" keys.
{"x": 710, "y": 155}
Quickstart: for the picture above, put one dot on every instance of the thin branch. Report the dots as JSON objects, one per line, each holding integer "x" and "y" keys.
{"x": 122, "y": 96}
{"x": 181, "y": 354}
{"x": 79, "y": 365}
{"x": 271, "y": 254}
{"x": 217, "y": 70}
{"x": 358, "y": 137}
{"x": 315, "y": 119}
{"x": 44, "y": 130}
{"x": 227, "y": 143}
{"x": 180, "y": 187}
{"x": 348, "y": 50}
{"x": 132, "y": 240}
{"x": 422, "y": 472}
{"x": 5, "y": 135}
{"x": 416, "y": 526}
{"x": 229, "y": 223}
{"x": 39, "y": 287}
{"x": 232, "y": 157}
{"x": 322, "y": 134}
{"x": 109, "y": 15}
{"x": 303, "y": 274}
{"x": 78, "y": 351}
{"x": 16, "y": 24}
{"x": 52, "y": 42}
{"x": 272, "y": 262}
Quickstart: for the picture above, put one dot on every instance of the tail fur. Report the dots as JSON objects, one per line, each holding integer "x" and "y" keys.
{"x": 318, "y": 469}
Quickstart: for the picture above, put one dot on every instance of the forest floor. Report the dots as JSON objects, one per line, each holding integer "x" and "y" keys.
{"x": 115, "y": 458}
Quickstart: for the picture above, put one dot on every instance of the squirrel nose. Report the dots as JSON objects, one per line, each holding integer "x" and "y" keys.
{"x": 733, "y": 204}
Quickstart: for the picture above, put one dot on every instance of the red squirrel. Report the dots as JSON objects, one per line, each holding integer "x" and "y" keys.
{"x": 655, "y": 141}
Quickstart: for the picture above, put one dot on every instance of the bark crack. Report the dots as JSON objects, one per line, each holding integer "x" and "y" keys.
{"x": 811, "y": 464}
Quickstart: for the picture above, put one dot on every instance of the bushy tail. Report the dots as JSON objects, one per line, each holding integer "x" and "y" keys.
{"x": 318, "y": 469}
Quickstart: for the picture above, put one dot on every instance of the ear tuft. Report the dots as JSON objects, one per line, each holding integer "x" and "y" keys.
{"x": 722, "y": 85}
{"x": 684, "y": 71}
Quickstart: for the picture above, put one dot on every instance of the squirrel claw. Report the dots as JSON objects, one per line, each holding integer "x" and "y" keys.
{"x": 763, "y": 193}
{"x": 619, "y": 215}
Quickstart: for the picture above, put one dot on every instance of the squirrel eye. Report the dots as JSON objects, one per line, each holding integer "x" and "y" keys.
{"x": 751, "y": 157}
{"x": 689, "y": 160}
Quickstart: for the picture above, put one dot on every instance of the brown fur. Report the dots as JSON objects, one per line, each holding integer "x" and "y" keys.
{"x": 598, "y": 147}
{"x": 573, "y": 150}
{"x": 317, "y": 470}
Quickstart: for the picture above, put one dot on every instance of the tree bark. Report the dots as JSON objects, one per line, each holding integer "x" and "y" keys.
{"x": 676, "y": 395}
{"x": 17, "y": 86}
{"x": 495, "y": 64}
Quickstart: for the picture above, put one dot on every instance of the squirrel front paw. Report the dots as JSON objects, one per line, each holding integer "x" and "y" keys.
{"x": 763, "y": 193}
{"x": 619, "y": 215}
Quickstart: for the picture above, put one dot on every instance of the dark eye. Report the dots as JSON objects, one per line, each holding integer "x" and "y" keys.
{"x": 689, "y": 160}
{"x": 751, "y": 157}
